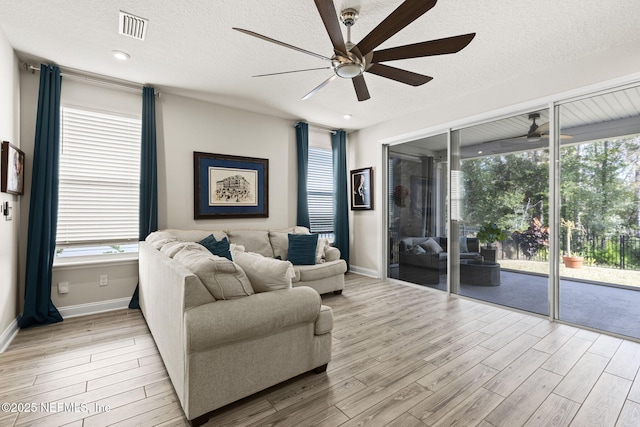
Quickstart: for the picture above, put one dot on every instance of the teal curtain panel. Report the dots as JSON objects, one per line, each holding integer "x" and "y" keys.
{"x": 43, "y": 208}
{"x": 341, "y": 201}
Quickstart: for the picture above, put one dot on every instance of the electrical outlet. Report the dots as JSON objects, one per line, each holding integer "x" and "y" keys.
{"x": 104, "y": 280}
{"x": 63, "y": 287}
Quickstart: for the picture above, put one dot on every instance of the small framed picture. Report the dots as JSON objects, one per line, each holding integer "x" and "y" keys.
{"x": 12, "y": 167}
{"x": 228, "y": 186}
{"x": 362, "y": 189}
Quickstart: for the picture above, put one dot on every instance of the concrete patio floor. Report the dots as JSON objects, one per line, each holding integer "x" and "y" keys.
{"x": 607, "y": 308}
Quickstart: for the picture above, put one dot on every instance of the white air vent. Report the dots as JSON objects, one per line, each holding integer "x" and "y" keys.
{"x": 133, "y": 26}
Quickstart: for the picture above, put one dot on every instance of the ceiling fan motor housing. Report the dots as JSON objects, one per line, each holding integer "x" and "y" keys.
{"x": 533, "y": 135}
{"x": 347, "y": 67}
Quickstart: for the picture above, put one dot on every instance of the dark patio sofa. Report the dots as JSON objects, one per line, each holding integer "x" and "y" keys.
{"x": 415, "y": 251}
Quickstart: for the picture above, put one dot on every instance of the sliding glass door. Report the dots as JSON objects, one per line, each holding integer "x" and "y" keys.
{"x": 500, "y": 207}
{"x": 417, "y": 189}
{"x": 600, "y": 211}
{"x": 538, "y": 211}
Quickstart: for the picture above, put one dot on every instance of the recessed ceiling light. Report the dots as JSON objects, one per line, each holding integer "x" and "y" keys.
{"x": 122, "y": 56}
{"x": 347, "y": 116}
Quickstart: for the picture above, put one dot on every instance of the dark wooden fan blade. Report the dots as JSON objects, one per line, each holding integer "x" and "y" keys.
{"x": 361, "y": 88}
{"x": 330, "y": 20}
{"x": 292, "y": 71}
{"x": 269, "y": 39}
{"x": 402, "y": 76}
{"x": 404, "y": 15}
{"x": 430, "y": 48}
{"x": 320, "y": 86}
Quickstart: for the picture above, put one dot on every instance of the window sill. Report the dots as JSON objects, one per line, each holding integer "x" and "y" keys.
{"x": 83, "y": 262}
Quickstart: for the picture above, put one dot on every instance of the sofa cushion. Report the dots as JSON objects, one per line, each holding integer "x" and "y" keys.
{"x": 222, "y": 278}
{"x": 299, "y": 229}
{"x": 302, "y": 249}
{"x": 217, "y": 247}
{"x": 253, "y": 240}
{"x": 431, "y": 246}
{"x": 265, "y": 274}
{"x": 280, "y": 243}
{"x": 308, "y": 273}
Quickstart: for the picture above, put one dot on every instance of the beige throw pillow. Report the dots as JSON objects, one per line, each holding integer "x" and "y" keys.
{"x": 431, "y": 246}
{"x": 322, "y": 244}
{"x": 170, "y": 249}
{"x": 253, "y": 240}
{"x": 158, "y": 239}
{"x": 223, "y": 278}
{"x": 265, "y": 274}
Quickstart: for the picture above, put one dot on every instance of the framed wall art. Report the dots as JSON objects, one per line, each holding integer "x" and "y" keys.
{"x": 12, "y": 168}
{"x": 228, "y": 186}
{"x": 362, "y": 189}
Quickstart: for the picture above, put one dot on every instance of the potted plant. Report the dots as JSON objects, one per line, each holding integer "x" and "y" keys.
{"x": 570, "y": 260}
{"x": 533, "y": 239}
{"x": 489, "y": 233}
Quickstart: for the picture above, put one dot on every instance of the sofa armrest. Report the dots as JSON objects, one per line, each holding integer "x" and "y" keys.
{"x": 331, "y": 253}
{"x": 215, "y": 324}
{"x": 324, "y": 322}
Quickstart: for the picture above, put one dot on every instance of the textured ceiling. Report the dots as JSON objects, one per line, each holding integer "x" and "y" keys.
{"x": 191, "y": 49}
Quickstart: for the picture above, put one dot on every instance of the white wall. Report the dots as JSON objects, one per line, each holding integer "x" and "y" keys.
{"x": 187, "y": 125}
{"x": 9, "y": 230}
{"x": 587, "y": 73}
{"x": 183, "y": 126}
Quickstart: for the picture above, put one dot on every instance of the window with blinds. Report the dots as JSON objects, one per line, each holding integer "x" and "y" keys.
{"x": 99, "y": 180}
{"x": 320, "y": 190}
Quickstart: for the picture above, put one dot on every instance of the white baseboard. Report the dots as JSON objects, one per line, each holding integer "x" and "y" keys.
{"x": 8, "y": 335}
{"x": 66, "y": 312}
{"x": 364, "y": 271}
{"x": 93, "y": 307}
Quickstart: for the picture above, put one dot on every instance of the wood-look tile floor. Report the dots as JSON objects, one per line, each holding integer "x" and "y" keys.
{"x": 402, "y": 356}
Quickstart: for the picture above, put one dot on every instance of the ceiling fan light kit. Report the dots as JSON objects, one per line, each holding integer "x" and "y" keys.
{"x": 347, "y": 68}
{"x": 351, "y": 61}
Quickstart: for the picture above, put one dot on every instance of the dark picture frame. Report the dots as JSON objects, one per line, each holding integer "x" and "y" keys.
{"x": 362, "y": 189}
{"x": 226, "y": 186}
{"x": 12, "y": 168}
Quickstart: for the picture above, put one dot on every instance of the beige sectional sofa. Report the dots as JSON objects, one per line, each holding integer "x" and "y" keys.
{"x": 220, "y": 339}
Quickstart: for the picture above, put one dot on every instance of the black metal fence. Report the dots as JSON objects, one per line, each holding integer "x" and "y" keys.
{"x": 616, "y": 251}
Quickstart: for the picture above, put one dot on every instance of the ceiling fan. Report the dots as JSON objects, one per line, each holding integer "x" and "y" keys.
{"x": 351, "y": 61}
{"x": 536, "y": 132}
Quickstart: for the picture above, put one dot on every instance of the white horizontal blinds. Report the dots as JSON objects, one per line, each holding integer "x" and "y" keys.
{"x": 99, "y": 177}
{"x": 320, "y": 190}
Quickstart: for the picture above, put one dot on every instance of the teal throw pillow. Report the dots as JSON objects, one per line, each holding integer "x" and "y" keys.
{"x": 217, "y": 247}
{"x": 302, "y": 249}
